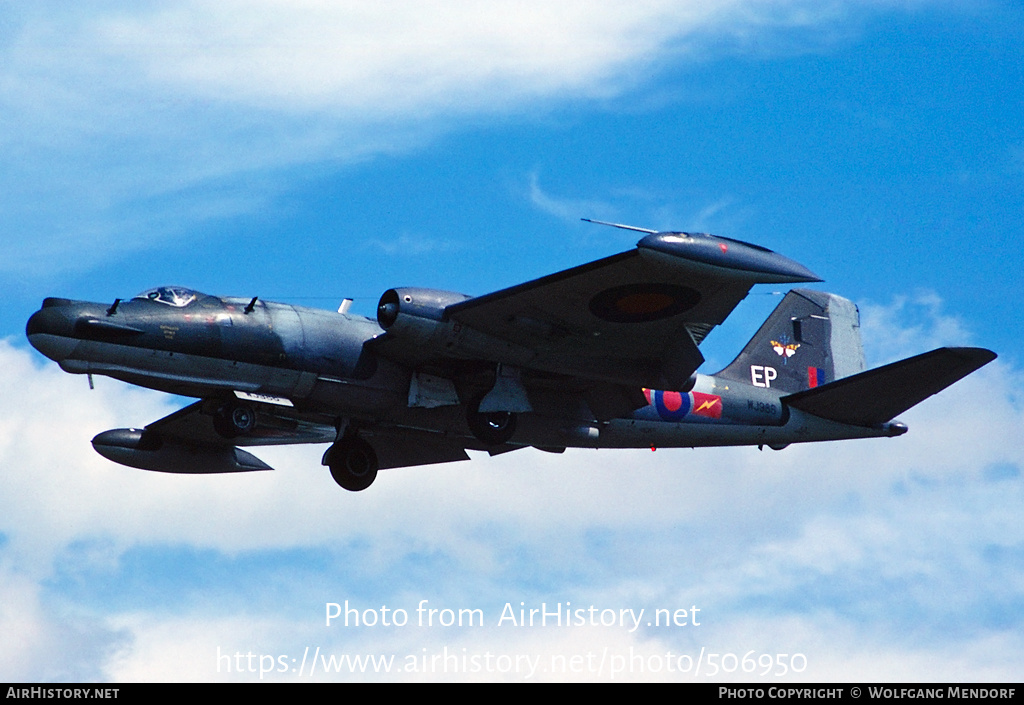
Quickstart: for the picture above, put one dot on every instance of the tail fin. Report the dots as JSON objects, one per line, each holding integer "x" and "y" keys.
{"x": 810, "y": 339}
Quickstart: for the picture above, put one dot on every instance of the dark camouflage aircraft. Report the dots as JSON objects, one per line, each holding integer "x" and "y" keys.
{"x": 604, "y": 355}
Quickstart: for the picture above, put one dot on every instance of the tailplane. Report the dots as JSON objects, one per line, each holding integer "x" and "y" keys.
{"x": 810, "y": 339}
{"x": 879, "y": 395}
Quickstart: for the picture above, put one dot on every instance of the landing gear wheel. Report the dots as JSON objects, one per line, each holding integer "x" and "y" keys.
{"x": 233, "y": 420}
{"x": 494, "y": 428}
{"x": 353, "y": 463}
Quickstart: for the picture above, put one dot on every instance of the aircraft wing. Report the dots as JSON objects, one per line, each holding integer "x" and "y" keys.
{"x": 192, "y": 428}
{"x": 633, "y": 319}
{"x": 274, "y": 426}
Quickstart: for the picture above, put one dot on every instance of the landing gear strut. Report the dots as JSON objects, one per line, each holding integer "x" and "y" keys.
{"x": 353, "y": 463}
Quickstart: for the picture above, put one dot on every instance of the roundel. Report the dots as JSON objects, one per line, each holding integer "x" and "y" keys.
{"x": 671, "y": 406}
{"x": 639, "y": 303}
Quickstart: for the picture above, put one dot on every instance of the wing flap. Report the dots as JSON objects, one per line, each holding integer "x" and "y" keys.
{"x": 400, "y": 448}
{"x": 879, "y": 395}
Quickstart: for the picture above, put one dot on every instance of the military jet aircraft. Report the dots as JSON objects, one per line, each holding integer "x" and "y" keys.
{"x": 604, "y": 355}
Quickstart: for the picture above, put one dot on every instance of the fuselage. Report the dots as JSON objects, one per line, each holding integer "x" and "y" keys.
{"x": 183, "y": 342}
{"x": 200, "y": 346}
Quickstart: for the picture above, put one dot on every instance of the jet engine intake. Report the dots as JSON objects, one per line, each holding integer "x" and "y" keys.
{"x": 411, "y": 306}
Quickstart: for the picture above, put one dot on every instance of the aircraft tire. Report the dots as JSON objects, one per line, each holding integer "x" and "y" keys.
{"x": 234, "y": 420}
{"x": 494, "y": 428}
{"x": 353, "y": 463}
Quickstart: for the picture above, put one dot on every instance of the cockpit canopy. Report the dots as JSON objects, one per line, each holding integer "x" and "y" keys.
{"x": 177, "y": 296}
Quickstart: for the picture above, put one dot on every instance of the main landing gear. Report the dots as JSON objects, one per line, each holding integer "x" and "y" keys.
{"x": 493, "y": 428}
{"x": 233, "y": 420}
{"x": 353, "y": 463}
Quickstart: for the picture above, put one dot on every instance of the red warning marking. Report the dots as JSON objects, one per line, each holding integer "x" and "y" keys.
{"x": 709, "y": 405}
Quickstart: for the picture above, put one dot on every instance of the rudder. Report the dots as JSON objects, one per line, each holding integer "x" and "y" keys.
{"x": 810, "y": 339}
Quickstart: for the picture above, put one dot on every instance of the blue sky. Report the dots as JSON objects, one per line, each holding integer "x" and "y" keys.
{"x": 312, "y": 151}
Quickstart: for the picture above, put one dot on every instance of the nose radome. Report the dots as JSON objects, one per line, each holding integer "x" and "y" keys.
{"x": 50, "y": 331}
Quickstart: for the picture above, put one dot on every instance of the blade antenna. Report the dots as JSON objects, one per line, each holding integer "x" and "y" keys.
{"x": 620, "y": 225}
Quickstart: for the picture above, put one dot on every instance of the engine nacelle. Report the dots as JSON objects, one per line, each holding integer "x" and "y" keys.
{"x": 418, "y": 332}
{"x": 415, "y": 314}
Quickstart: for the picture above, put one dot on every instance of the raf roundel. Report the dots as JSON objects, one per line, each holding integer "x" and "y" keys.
{"x": 640, "y": 303}
{"x": 671, "y": 406}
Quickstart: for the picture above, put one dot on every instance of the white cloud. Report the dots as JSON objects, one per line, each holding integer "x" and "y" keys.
{"x": 909, "y": 324}
{"x": 436, "y": 56}
{"x": 567, "y": 209}
{"x": 395, "y": 56}
{"x": 124, "y": 124}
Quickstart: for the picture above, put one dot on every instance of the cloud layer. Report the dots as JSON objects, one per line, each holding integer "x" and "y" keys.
{"x": 138, "y": 122}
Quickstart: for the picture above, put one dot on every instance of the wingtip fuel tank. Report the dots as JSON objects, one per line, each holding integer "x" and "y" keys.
{"x": 146, "y": 450}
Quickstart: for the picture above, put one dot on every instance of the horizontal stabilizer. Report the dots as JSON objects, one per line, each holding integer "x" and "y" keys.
{"x": 876, "y": 396}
